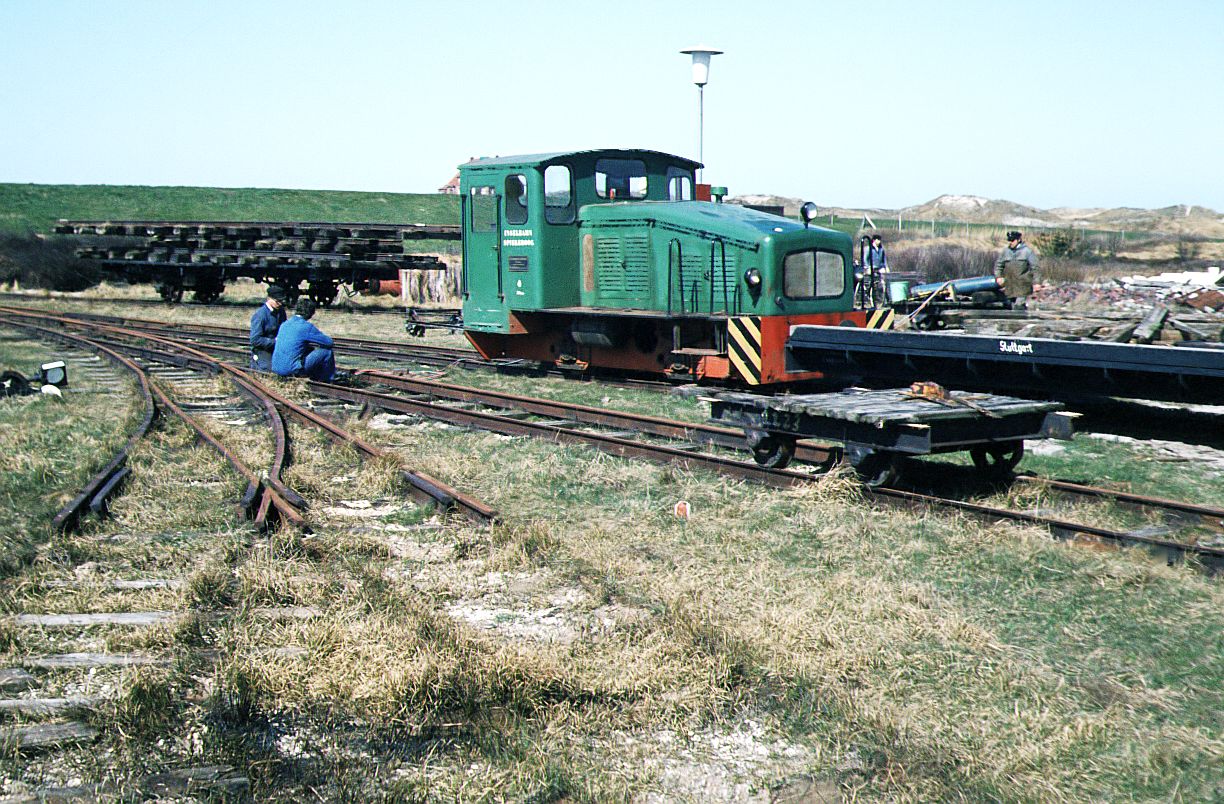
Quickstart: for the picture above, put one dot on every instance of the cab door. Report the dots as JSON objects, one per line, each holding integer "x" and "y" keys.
{"x": 484, "y": 298}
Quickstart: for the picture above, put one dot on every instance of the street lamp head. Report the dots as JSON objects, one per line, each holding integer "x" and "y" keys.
{"x": 701, "y": 63}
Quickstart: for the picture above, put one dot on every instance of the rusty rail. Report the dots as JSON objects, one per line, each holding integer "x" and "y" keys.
{"x": 271, "y": 498}
{"x": 1211, "y": 556}
{"x": 733, "y": 438}
{"x": 421, "y": 487}
{"x": 275, "y": 495}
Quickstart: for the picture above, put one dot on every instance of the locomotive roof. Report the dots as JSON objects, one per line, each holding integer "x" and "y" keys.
{"x": 546, "y": 158}
{"x": 730, "y": 219}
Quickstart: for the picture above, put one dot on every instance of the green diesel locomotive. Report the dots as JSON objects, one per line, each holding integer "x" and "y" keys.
{"x": 606, "y": 259}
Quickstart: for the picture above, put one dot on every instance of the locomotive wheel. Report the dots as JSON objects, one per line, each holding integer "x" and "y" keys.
{"x": 771, "y": 451}
{"x": 997, "y": 460}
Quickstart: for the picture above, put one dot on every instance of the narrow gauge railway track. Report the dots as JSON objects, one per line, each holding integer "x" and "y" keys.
{"x": 1118, "y": 417}
{"x": 270, "y": 490}
{"x": 237, "y": 339}
{"x": 96, "y": 493}
{"x": 563, "y": 419}
{"x": 566, "y": 417}
{"x": 358, "y": 347}
{"x": 420, "y": 486}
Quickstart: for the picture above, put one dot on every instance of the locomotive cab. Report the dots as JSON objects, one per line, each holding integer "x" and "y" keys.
{"x": 520, "y": 224}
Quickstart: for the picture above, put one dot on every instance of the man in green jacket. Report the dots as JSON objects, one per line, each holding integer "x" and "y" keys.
{"x": 1016, "y": 270}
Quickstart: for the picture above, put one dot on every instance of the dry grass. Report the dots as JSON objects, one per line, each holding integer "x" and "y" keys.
{"x": 595, "y": 647}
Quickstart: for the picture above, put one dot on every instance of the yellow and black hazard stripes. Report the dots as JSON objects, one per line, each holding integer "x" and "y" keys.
{"x": 880, "y": 319}
{"x": 744, "y": 347}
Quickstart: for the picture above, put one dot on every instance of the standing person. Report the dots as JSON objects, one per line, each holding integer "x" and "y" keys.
{"x": 302, "y": 350}
{"x": 265, "y": 323}
{"x": 1016, "y": 270}
{"x": 875, "y": 258}
{"x": 875, "y": 266}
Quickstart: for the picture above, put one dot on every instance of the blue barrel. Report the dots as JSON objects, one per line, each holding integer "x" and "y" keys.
{"x": 961, "y": 287}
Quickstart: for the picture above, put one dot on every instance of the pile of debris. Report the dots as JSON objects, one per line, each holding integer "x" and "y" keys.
{"x": 1202, "y": 290}
{"x": 1175, "y": 307}
{"x": 1094, "y": 295}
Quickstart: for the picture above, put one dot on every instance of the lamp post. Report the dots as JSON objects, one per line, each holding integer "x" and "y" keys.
{"x": 701, "y": 76}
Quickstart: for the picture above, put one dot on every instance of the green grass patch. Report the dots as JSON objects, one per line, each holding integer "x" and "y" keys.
{"x": 36, "y": 207}
{"x": 53, "y": 445}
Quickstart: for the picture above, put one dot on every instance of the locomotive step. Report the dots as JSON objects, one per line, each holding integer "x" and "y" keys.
{"x": 695, "y": 352}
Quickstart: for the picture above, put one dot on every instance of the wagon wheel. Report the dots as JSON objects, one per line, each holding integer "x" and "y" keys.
{"x": 771, "y": 451}
{"x": 323, "y": 293}
{"x": 997, "y": 460}
{"x": 208, "y": 295}
{"x": 878, "y": 469}
{"x": 171, "y": 294}
{"x": 830, "y": 462}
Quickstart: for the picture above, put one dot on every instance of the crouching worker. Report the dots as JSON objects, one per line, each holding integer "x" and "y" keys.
{"x": 302, "y": 350}
{"x": 265, "y": 323}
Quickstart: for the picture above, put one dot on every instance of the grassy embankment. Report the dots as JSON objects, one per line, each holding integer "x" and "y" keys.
{"x": 595, "y": 647}
{"x": 35, "y": 208}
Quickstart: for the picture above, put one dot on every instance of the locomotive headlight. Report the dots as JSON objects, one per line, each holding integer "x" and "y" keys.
{"x": 807, "y": 213}
{"x": 752, "y": 277}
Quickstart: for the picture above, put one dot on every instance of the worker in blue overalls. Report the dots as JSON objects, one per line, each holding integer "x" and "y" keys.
{"x": 265, "y": 323}
{"x": 302, "y": 349}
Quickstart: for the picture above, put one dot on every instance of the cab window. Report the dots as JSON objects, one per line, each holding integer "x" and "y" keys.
{"x": 484, "y": 209}
{"x": 620, "y": 179}
{"x": 679, "y": 184}
{"x": 516, "y": 198}
{"x": 558, "y": 194}
{"x": 813, "y": 274}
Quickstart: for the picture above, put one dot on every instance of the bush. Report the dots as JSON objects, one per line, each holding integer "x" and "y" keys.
{"x": 35, "y": 261}
{"x": 936, "y": 262}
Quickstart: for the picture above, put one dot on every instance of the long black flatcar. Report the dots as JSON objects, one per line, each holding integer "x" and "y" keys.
{"x": 202, "y": 256}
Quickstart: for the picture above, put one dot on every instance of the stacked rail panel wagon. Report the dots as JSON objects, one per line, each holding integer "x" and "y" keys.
{"x": 202, "y": 256}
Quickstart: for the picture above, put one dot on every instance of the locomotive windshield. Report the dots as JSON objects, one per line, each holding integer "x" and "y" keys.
{"x": 813, "y": 274}
{"x": 620, "y": 178}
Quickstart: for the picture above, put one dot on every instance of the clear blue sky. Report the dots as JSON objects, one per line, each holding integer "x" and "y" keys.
{"x": 874, "y": 103}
